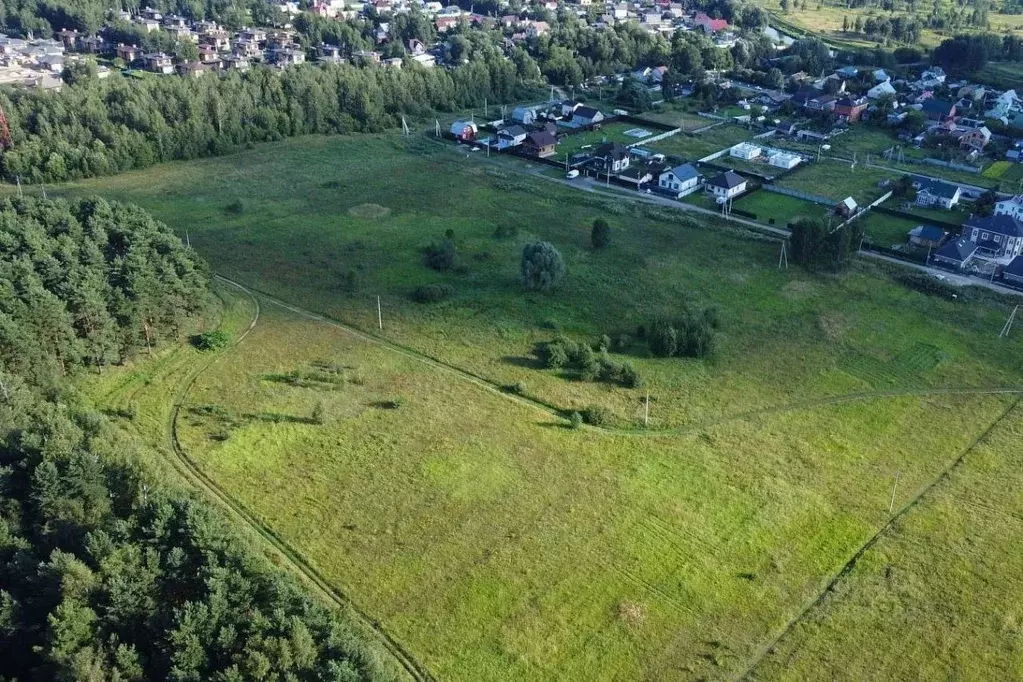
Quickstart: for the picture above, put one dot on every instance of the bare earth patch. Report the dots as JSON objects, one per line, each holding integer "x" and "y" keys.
{"x": 631, "y": 613}
{"x": 797, "y": 290}
{"x": 369, "y": 211}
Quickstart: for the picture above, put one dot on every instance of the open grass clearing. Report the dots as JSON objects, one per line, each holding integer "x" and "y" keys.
{"x": 935, "y": 598}
{"x": 677, "y": 116}
{"x": 886, "y": 230}
{"x": 608, "y": 132}
{"x": 692, "y": 147}
{"x": 836, "y": 180}
{"x": 779, "y": 209}
{"x": 499, "y": 545}
{"x": 494, "y": 542}
{"x": 296, "y": 239}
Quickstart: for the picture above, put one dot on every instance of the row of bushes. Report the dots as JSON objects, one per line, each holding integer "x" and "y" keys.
{"x": 691, "y": 335}
{"x": 591, "y": 365}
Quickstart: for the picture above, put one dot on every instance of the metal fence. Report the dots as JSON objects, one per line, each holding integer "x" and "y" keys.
{"x": 805, "y": 196}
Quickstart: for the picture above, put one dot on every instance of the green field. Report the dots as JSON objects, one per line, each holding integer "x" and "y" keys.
{"x": 696, "y": 146}
{"x": 887, "y": 230}
{"x": 1001, "y": 74}
{"x": 492, "y": 541}
{"x": 779, "y": 209}
{"x": 836, "y": 180}
{"x": 677, "y": 115}
{"x": 609, "y": 132}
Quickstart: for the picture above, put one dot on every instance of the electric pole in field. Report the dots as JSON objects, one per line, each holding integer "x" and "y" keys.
{"x": 380, "y": 315}
{"x": 783, "y": 258}
{"x": 1008, "y": 324}
{"x": 646, "y": 413}
{"x": 404, "y": 127}
{"x": 891, "y": 505}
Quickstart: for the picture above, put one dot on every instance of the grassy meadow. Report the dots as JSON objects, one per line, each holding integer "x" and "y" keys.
{"x": 493, "y": 541}
{"x": 779, "y": 209}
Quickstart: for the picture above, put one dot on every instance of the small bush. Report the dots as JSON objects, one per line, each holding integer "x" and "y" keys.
{"x": 214, "y": 340}
{"x": 318, "y": 413}
{"x": 519, "y": 388}
{"x": 542, "y": 266}
{"x": 692, "y": 335}
{"x": 236, "y": 207}
{"x": 431, "y": 293}
{"x": 506, "y": 231}
{"x": 575, "y": 420}
{"x": 604, "y": 344}
{"x": 596, "y": 415}
{"x": 440, "y": 255}
{"x": 600, "y": 236}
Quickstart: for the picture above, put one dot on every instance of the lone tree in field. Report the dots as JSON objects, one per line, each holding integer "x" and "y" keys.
{"x": 542, "y": 266}
{"x": 816, "y": 245}
{"x": 601, "y": 234}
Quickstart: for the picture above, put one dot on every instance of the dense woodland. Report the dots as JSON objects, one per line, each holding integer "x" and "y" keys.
{"x": 105, "y": 572}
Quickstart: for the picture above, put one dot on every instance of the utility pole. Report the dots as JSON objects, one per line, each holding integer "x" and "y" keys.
{"x": 783, "y": 258}
{"x": 1008, "y": 324}
{"x": 891, "y": 505}
{"x": 646, "y": 413}
{"x": 188, "y": 242}
{"x": 20, "y": 195}
{"x": 43, "y": 184}
{"x": 380, "y": 315}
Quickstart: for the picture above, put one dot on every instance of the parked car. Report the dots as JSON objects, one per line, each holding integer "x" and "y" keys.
{"x": 572, "y": 174}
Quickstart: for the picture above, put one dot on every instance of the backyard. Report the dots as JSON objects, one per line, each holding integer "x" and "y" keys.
{"x": 836, "y": 180}
{"x": 440, "y": 485}
{"x": 692, "y": 147}
{"x": 772, "y": 208}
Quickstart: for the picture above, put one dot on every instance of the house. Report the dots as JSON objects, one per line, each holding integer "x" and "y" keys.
{"x": 540, "y": 143}
{"x": 446, "y": 23}
{"x": 848, "y": 72}
{"x": 956, "y": 253}
{"x": 926, "y": 236}
{"x": 192, "y": 69}
{"x": 745, "y": 151}
{"x": 975, "y": 138}
{"x": 127, "y": 53}
{"x": 1013, "y": 272}
{"x": 464, "y": 131}
{"x": 586, "y": 116}
{"x": 936, "y": 193}
{"x": 511, "y": 136}
{"x": 880, "y": 90}
{"x": 939, "y": 110}
{"x": 1012, "y": 206}
{"x": 425, "y": 60}
{"x": 158, "y": 62}
{"x": 680, "y": 180}
{"x": 709, "y": 25}
{"x": 232, "y": 62}
{"x": 288, "y": 56}
{"x": 524, "y": 115}
{"x": 821, "y": 103}
{"x": 786, "y": 128}
{"x": 612, "y": 156}
{"x": 638, "y": 175}
{"x": 998, "y": 236}
{"x": 726, "y": 185}
{"x": 846, "y": 207}
{"x": 785, "y": 160}
{"x": 935, "y": 73}
{"x": 849, "y": 109}
{"x": 880, "y": 76}
{"x": 535, "y": 29}
{"x": 1002, "y": 105}
{"x": 568, "y": 108}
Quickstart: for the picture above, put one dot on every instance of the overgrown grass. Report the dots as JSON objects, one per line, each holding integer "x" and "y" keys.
{"x": 494, "y": 541}
{"x": 779, "y": 209}
{"x": 837, "y": 180}
{"x": 696, "y": 146}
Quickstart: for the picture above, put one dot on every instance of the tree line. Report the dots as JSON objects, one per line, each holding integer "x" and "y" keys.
{"x": 105, "y": 571}
{"x": 97, "y": 127}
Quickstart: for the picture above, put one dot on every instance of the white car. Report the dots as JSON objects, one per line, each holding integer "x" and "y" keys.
{"x": 572, "y": 174}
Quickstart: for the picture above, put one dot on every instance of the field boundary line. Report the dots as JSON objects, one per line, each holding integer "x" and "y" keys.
{"x": 850, "y": 564}
{"x": 291, "y": 557}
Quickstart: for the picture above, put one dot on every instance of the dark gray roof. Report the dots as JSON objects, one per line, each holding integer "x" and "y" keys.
{"x": 542, "y": 138}
{"x": 1015, "y": 267}
{"x": 728, "y": 180}
{"x": 615, "y": 150}
{"x": 957, "y": 250}
{"x": 928, "y": 232}
{"x": 938, "y": 188}
{"x": 998, "y": 224}
{"x": 514, "y": 131}
{"x": 685, "y": 172}
{"x": 937, "y": 106}
{"x": 585, "y": 112}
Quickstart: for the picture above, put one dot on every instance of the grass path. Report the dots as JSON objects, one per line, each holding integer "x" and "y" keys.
{"x": 849, "y": 565}
{"x": 287, "y": 556}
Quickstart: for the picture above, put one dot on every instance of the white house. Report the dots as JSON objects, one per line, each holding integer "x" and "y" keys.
{"x": 936, "y": 193}
{"x": 524, "y": 115}
{"x": 784, "y": 160}
{"x": 745, "y": 151}
{"x": 1000, "y": 236}
{"x": 726, "y": 185}
{"x": 880, "y": 90}
{"x": 1012, "y": 206}
{"x": 680, "y": 180}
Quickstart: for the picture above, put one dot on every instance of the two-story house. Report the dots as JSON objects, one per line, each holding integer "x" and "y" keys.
{"x": 680, "y": 180}
{"x": 997, "y": 236}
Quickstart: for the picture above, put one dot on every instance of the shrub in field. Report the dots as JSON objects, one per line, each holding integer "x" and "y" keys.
{"x": 236, "y": 207}
{"x": 318, "y": 413}
{"x": 928, "y": 284}
{"x": 214, "y": 340}
{"x": 562, "y": 352}
{"x": 431, "y": 293}
{"x": 542, "y": 266}
{"x": 600, "y": 236}
{"x": 691, "y": 335}
{"x": 815, "y": 245}
{"x": 575, "y": 420}
{"x": 440, "y": 255}
{"x": 506, "y": 231}
{"x": 596, "y": 415}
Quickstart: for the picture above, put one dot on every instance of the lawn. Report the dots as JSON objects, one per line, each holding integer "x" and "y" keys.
{"x": 692, "y": 147}
{"x": 1001, "y": 74}
{"x": 886, "y": 230}
{"x": 492, "y": 541}
{"x": 779, "y": 209}
{"x": 609, "y": 132}
{"x": 678, "y": 116}
{"x": 836, "y": 180}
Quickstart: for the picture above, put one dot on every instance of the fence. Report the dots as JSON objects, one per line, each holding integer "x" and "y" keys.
{"x": 805, "y": 196}
{"x": 949, "y": 164}
{"x": 862, "y": 211}
{"x": 952, "y": 227}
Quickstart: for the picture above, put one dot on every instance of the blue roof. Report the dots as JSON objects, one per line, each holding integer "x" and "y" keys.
{"x": 998, "y": 224}
{"x": 938, "y": 188}
{"x": 685, "y": 172}
{"x": 958, "y": 250}
{"x": 928, "y": 232}
{"x": 1015, "y": 267}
